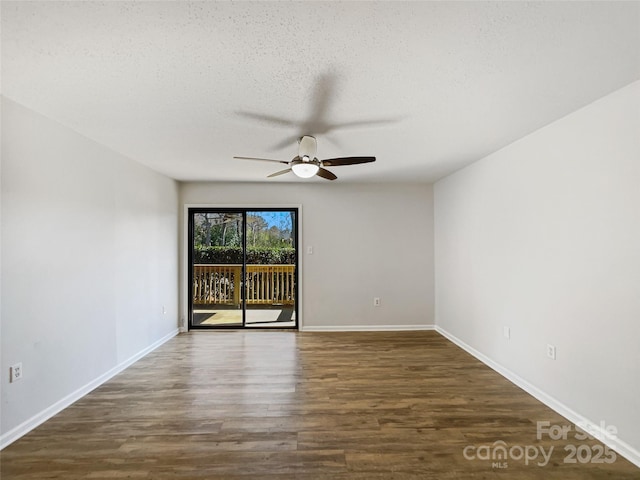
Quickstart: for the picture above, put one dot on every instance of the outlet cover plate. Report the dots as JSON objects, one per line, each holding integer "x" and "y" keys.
{"x": 551, "y": 351}
{"x": 15, "y": 372}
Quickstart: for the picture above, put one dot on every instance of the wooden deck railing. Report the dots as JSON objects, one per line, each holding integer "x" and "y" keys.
{"x": 264, "y": 285}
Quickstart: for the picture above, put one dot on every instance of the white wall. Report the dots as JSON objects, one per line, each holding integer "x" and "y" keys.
{"x": 368, "y": 241}
{"x": 544, "y": 237}
{"x": 89, "y": 257}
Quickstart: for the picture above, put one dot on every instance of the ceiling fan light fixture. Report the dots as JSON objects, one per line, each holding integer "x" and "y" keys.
{"x": 307, "y": 165}
{"x": 305, "y": 169}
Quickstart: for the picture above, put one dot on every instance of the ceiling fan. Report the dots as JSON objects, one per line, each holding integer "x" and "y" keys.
{"x": 306, "y": 164}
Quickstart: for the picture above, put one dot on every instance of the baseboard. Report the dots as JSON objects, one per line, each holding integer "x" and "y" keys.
{"x": 365, "y": 328}
{"x": 28, "y": 425}
{"x": 595, "y": 429}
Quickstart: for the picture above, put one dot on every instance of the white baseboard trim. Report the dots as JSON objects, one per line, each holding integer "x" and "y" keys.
{"x": 365, "y": 328}
{"x": 594, "y": 429}
{"x": 38, "y": 419}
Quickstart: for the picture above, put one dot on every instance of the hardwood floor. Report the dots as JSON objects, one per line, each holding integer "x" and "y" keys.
{"x": 286, "y": 405}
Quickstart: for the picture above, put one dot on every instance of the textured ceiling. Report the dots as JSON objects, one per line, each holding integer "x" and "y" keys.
{"x": 427, "y": 87}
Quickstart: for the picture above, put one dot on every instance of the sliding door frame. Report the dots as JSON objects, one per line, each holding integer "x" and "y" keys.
{"x": 186, "y": 273}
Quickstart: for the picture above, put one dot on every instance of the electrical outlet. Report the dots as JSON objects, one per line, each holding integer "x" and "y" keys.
{"x": 506, "y": 331}
{"x": 551, "y": 351}
{"x": 376, "y": 301}
{"x": 309, "y": 250}
{"x": 15, "y": 372}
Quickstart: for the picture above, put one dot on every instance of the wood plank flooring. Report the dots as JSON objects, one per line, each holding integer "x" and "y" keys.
{"x": 288, "y": 405}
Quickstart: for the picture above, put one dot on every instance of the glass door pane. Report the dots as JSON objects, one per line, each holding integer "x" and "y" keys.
{"x": 216, "y": 269}
{"x": 270, "y": 286}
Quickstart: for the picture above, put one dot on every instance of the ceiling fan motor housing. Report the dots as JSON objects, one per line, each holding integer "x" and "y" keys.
{"x": 307, "y": 147}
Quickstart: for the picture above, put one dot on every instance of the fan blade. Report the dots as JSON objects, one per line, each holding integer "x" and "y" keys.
{"x": 261, "y": 159}
{"x": 281, "y": 172}
{"x": 324, "y": 173}
{"x": 287, "y": 142}
{"x": 324, "y": 90}
{"x": 284, "y": 122}
{"x": 365, "y": 123}
{"x": 336, "y": 162}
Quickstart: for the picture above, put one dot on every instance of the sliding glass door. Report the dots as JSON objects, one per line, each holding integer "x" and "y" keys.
{"x": 217, "y": 257}
{"x": 271, "y": 269}
{"x": 243, "y": 268}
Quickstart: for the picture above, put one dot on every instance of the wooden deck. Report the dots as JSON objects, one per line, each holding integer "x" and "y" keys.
{"x": 276, "y": 317}
{"x": 273, "y": 405}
